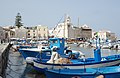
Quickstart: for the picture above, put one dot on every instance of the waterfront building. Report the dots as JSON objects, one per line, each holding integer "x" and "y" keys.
{"x": 2, "y": 34}
{"x": 6, "y": 33}
{"x": 106, "y": 35}
{"x": 64, "y": 30}
{"x": 15, "y": 32}
{"x": 20, "y": 32}
{"x": 85, "y": 32}
{"x": 37, "y": 32}
{"x": 31, "y": 32}
{"x": 12, "y": 32}
{"x": 42, "y": 32}
{"x": 69, "y": 31}
{"x": 112, "y": 36}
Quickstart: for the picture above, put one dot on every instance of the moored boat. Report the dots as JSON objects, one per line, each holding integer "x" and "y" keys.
{"x": 104, "y": 72}
{"x": 29, "y": 54}
{"x": 43, "y": 51}
{"x": 78, "y": 63}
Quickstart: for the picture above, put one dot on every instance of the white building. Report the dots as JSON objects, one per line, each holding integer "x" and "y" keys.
{"x": 64, "y": 30}
{"x": 104, "y": 35}
{"x": 67, "y": 30}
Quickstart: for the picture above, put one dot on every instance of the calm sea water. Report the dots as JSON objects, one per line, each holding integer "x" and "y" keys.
{"x": 17, "y": 67}
{"x": 89, "y": 52}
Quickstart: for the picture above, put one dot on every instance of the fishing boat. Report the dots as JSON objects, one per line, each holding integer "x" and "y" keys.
{"x": 43, "y": 51}
{"x": 66, "y": 61}
{"x": 78, "y": 63}
{"x": 31, "y": 53}
{"x": 21, "y": 43}
{"x": 103, "y": 72}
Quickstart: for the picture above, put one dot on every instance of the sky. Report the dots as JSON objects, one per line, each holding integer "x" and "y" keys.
{"x": 97, "y": 14}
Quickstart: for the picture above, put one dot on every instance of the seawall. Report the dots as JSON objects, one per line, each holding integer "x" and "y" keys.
{"x": 4, "y": 52}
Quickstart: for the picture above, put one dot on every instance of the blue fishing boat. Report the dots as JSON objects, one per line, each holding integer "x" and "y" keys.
{"x": 71, "y": 60}
{"x": 27, "y": 46}
{"x": 78, "y": 63}
{"x": 42, "y": 51}
{"x": 104, "y": 72}
{"x": 21, "y": 43}
{"x": 29, "y": 54}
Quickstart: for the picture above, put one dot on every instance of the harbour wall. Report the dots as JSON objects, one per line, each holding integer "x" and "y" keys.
{"x": 4, "y": 52}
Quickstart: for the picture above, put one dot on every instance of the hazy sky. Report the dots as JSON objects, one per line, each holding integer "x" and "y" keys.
{"x": 98, "y": 14}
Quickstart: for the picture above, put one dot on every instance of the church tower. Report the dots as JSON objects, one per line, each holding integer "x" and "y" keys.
{"x": 67, "y": 25}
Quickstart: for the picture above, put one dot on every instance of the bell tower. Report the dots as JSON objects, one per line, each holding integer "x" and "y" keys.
{"x": 67, "y": 25}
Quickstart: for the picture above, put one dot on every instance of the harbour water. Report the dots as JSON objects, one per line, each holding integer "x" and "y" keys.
{"x": 89, "y": 52}
{"x": 17, "y": 67}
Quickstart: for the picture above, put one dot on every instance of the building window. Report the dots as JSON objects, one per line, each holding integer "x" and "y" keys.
{"x": 68, "y": 25}
{"x": 44, "y": 36}
{"x": 12, "y": 34}
{"x": 28, "y": 30}
{"x": 39, "y": 35}
{"x": 33, "y": 36}
{"x": 55, "y": 41}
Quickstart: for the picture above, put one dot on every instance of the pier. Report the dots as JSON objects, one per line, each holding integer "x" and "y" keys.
{"x": 4, "y": 52}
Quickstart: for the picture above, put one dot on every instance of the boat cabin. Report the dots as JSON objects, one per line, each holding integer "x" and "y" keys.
{"x": 59, "y": 43}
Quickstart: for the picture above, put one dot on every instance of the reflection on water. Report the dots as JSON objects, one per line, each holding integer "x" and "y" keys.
{"x": 17, "y": 68}
{"x": 29, "y": 72}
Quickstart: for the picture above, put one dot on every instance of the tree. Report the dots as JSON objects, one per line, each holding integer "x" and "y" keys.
{"x": 18, "y": 21}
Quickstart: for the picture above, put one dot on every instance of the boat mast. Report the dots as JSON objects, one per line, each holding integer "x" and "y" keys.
{"x": 64, "y": 26}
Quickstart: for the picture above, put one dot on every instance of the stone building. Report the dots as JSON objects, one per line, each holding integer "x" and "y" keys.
{"x": 20, "y": 32}
{"x": 31, "y": 32}
{"x": 104, "y": 35}
{"x": 67, "y": 30}
{"x": 85, "y": 32}
{"x": 64, "y": 30}
{"x": 37, "y": 32}
{"x": 42, "y": 32}
{"x": 2, "y": 34}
